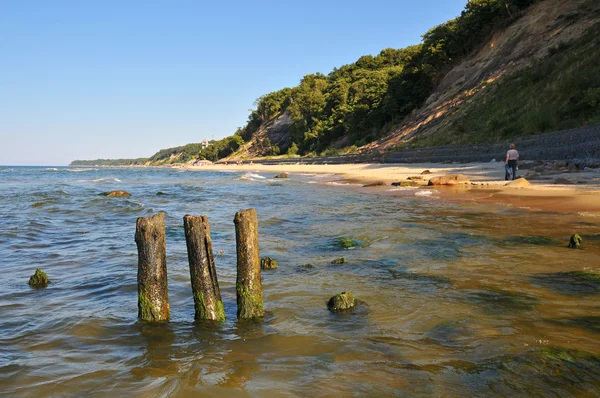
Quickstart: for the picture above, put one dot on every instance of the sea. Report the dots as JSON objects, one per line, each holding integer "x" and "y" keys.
{"x": 454, "y": 298}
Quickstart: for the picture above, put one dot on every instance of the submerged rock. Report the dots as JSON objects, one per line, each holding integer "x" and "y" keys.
{"x": 282, "y": 175}
{"x": 450, "y": 179}
{"x": 160, "y": 193}
{"x": 342, "y": 302}
{"x": 117, "y": 193}
{"x": 341, "y": 260}
{"x": 575, "y": 242}
{"x": 406, "y": 184}
{"x": 563, "y": 181}
{"x": 375, "y": 184}
{"x": 307, "y": 266}
{"x": 39, "y": 279}
{"x": 344, "y": 243}
{"x": 268, "y": 263}
{"x": 518, "y": 183}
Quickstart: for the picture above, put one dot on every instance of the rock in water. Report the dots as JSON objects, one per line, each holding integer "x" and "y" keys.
{"x": 341, "y": 260}
{"x": 406, "y": 184}
{"x": 282, "y": 175}
{"x": 575, "y": 242}
{"x": 116, "y": 193}
{"x": 450, "y": 179}
{"x": 268, "y": 263}
{"x": 374, "y": 184}
{"x": 39, "y": 279}
{"x": 342, "y": 302}
{"x": 563, "y": 181}
{"x": 518, "y": 183}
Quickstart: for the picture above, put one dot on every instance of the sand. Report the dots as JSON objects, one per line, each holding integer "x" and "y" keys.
{"x": 487, "y": 183}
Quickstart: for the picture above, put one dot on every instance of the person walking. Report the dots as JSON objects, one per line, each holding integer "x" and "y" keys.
{"x": 511, "y": 164}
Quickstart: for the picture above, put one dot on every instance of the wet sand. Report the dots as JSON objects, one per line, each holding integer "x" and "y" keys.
{"x": 487, "y": 182}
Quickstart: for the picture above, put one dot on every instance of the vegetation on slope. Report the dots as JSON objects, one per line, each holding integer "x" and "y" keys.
{"x": 557, "y": 92}
{"x": 110, "y": 162}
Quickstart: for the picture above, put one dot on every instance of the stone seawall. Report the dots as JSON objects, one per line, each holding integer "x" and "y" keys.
{"x": 582, "y": 144}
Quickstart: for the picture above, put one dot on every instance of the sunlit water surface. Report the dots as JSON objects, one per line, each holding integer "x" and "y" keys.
{"x": 455, "y": 299}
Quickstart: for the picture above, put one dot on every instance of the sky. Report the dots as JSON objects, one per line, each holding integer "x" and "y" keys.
{"x": 124, "y": 79}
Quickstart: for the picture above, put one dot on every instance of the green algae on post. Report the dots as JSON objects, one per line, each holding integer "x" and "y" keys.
{"x": 205, "y": 286}
{"x": 153, "y": 293}
{"x": 248, "y": 284}
{"x": 39, "y": 279}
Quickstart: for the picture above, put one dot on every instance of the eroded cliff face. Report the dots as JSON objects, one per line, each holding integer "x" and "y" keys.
{"x": 543, "y": 27}
{"x": 273, "y": 133}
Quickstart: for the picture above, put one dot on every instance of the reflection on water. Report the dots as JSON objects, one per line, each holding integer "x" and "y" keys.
{"x": 454, "y": 299}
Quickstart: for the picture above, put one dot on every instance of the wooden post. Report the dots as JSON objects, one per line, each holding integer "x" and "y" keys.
{"x": 248, "y": 285}
{"x": 153, "y": 292}
{"x": 205, "y": 287}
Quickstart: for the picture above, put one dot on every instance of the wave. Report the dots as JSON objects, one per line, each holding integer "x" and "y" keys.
{"x": 252, "y": 177}
{"x": 51, "y": 169}
{"x": 424, "y": 192}
{"x": 80, "y": 170}
{"x": 6, "y": 170}
{"x": 106, "y": 179}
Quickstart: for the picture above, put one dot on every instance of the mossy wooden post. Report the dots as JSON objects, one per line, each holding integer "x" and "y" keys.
{"x": 153, "y": 292}
{"x": 248, "y": 285}
{"x": 205, "y": 287}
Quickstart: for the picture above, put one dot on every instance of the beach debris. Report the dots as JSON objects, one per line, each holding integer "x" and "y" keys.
{"x": 153, "y": 292}
{"x": 518, "y": 183}
{"x": 205, "y": 286}
{"x": 268, "y": 263}
{"x": 39, "y": 279}
{"x": 375, "y": 184}
{"x": 248, "y": 284}
{"x": 424, "y": 172}
{"x": 282, "y": 175}
{"x": 341, "y": 303}
{"x": 341, "y": 260}
{"x": 449, "y": 179}
{"x": 575, "y": 241}
{"x": 406, "y": 184}
{"x": 563, "y": 181}
{"x": 117, "y": 193}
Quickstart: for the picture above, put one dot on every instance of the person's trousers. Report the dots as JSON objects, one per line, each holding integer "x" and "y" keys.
{"x": 511, "y": 169}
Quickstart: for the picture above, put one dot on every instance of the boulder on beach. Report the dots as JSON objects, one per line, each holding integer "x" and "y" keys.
{"x": 282, "y": 175}
{"x": 575, "y": 242}
{"x": 39, "y": 279}
{"x": 268, "y": 263}
{"x": 342, "y": 302}
{"x": 449, "y": 179}
{"x": 117, "y": 193}
{"x": 375, "y": 184}
{"x": 424, "y": 172}
{"x": 518, "y": 183}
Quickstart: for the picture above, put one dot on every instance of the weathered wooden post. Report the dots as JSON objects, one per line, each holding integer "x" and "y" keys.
{"x": 153, "y": 292}
{"x": 205, "y": 287}
{"x": 248, "y": 285}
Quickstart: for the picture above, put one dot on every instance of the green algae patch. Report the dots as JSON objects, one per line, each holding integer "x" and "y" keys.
{"x": 341, "y": 303}
{"x": 345, "y": 243}
{"x": 536, "y": 240}
{"x": 145, "y": 308}
{"x": 575, "y": 242}
{"x": 341, "y": 260}
{"x": 249, "y": 305}
{"x": 268, "y": 263}
{"x": 38, "y": 204}
{"x": 39, "y": 279}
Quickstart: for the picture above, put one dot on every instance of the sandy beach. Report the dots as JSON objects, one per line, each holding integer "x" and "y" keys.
{"x": 487, "y": 182}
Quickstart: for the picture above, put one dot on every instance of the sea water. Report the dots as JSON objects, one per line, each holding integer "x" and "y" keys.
{"x": 454, "y": 299}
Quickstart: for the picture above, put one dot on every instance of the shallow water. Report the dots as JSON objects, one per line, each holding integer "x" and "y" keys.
{"x": 456, "y": 299}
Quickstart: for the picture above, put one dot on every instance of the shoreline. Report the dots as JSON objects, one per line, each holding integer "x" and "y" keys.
{"x": 487, "y": 183}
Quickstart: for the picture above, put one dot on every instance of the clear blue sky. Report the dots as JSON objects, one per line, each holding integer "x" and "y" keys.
{"x": 87, "y": 79}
